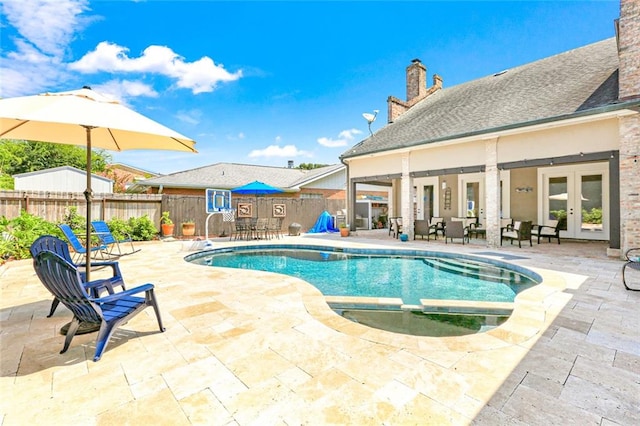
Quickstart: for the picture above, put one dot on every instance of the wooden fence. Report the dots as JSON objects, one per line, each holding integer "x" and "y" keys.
{"x": 53, "y": 206}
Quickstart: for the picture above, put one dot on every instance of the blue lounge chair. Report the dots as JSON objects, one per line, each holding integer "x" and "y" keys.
{"x": 109, "y": 241}
{"x": 77, "y": 246}
{"x": 63, "y": 280}
{"x": 59, "y": 247}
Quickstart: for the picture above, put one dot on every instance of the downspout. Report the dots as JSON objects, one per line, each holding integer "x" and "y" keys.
{"x": 350, "y": 199}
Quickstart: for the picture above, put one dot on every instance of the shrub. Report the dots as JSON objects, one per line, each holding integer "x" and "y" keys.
{"x": 119, "y": 228}
{"x": 20, "y": 232}
{"x": 75, "y": 221}
{"x": 142, "y": 228}
{"x": 139, "y": 228}
{"x": 594, "y": 216}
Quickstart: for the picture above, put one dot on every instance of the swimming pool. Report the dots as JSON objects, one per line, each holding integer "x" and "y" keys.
{"x": 410, "y": 276}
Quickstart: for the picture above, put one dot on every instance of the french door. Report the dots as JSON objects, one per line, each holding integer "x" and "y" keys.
{"x": 577, "y": 196}
{"x": 471, "y": 195}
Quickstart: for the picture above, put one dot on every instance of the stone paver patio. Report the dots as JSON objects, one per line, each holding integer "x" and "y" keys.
{"x": 246, "y": 347}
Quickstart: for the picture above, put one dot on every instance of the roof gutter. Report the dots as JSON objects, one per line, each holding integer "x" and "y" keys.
{"x": 613, "y": 110}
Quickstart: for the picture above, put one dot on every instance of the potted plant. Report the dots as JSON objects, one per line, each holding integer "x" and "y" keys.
{"x": 344, "y": 230}
{"x": 166, "y": 224}
{"x": 188, "y": 228}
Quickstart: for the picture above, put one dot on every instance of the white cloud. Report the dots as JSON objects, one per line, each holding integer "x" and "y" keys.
{"x": 49, "y": 25}
{"x": 121, "y": 90}
{"x": 200, "y": 76}
{"x": 44, "y": 30}
{"x": 345, "y": 138}
{"x": 191, "y": 116}
{"x": 279, "y": 151}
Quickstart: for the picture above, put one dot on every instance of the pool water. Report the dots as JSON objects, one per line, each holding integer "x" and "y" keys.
{"x": 409, "y": 278}
{"x": 409, "y": 275}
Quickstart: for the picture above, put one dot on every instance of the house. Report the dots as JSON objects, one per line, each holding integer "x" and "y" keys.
{"x": 324, "y": 182}
{"x": 552, "y": 139}
{"x": 125, "y": 176}
{"x": 61, "y": 179}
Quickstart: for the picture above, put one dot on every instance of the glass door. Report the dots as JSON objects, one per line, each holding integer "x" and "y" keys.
{"x": 576, "y": 196}
{"x": 471, "y": 195}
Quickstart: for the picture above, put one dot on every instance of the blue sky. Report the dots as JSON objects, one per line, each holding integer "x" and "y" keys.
{"x": 267, "y": 82}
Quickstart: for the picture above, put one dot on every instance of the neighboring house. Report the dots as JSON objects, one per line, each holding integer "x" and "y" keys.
{"x": 324, "y": 182}
{"x": 126, "y": 176}
{"x": 61, "y": 179}
{"x": 555, "y": 138}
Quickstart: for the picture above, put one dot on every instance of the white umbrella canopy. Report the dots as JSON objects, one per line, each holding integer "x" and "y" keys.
{"x": 87, "y": 118}
{"x": 563, "y": 196}
{"x": 62, "y": 117}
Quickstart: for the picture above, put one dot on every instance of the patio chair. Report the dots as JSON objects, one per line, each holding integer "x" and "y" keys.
{"x": 456, "y": 229}
{"x": 396, "y": 227}
{"x": 261, "y": 229}
{"x": 79, "y": 249}
{"x": 109, "y": 240}
{"x": 63, "y": 280}
{"x": 438, "y": 224}
{"x": 633, "y": 263}
{"x": 422, "y": 228}
{"x": 274, "y": 227}
{"x": 549, "y": 230}
{"x": 59, "y": 247}
{"x": 242, "y": 230}
{"x": 519, "y": 231}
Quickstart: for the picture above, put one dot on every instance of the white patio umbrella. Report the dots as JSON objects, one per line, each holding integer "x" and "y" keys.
{"x": 563, "y": 196}
{"x": 87, "y": 118}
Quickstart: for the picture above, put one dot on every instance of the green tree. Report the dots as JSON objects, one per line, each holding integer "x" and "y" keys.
{"x": 26, "y": 156}
{"x": 310, "y": 166}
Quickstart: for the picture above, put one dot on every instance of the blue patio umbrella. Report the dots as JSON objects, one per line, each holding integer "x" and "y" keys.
{"x": 256, "y": 188}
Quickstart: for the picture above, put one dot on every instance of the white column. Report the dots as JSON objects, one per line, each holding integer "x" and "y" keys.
{"x": 407, "y": 197}
{"x": 492, "y": 193}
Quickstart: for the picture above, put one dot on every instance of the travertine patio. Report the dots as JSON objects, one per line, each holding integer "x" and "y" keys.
{"x": 246, "y": 347}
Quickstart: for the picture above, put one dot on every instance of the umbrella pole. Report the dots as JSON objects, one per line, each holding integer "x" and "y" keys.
{"x": 88, "y": 195}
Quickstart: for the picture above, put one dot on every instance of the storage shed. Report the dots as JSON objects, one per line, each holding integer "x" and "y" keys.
{"x": 61, "y": 179}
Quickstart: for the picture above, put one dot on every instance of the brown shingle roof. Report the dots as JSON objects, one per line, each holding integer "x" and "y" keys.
{"x": 232, "y": 175}
{"x": 560, "y": 85}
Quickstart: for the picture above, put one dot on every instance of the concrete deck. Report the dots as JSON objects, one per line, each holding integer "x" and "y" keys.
{"x": 246, "y": 347}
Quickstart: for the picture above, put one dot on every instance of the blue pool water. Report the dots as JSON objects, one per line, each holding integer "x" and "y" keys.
{"x": 410, "y": 276}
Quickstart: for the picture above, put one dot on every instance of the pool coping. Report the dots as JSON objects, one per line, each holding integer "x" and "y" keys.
{"x": 533, "y": 309}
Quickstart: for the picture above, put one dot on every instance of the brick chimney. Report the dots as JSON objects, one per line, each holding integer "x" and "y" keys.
{"x": 416, "y": 90}
{"x": 416, "y": 80}
{"x": 628, "y": 33}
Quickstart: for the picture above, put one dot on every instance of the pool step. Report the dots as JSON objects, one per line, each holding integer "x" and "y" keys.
{"x": 474, "y": 270}
{"x": 466, "y": 307}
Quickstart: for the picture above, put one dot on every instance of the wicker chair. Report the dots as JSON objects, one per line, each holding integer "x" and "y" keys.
{"x": 519, "y": 231}
{"x": 456, "y": 229}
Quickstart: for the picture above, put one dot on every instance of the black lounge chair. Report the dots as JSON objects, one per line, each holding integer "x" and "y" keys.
{"x": 63, "y": 280}
{"x": 59, "y": 247}
{"x": 633, "y": 263}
